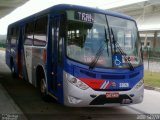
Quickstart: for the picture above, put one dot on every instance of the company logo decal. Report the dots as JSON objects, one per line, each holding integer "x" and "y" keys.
{"x": 114, "y": 84}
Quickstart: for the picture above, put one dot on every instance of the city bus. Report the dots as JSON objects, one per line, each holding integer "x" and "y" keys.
{"x": 78, "y": 55}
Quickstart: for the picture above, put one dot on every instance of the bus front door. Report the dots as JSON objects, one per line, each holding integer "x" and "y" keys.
{"x": 56, "y": 61}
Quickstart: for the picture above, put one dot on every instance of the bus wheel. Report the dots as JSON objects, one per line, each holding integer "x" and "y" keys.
{"x": 43, "y": 90}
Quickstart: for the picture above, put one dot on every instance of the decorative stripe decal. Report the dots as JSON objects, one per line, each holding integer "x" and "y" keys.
{"x": 93, "y": 83}
{"x": 107, "y": 87}
{"x": 103, "y": 85}
{"x": 97, "y": 83}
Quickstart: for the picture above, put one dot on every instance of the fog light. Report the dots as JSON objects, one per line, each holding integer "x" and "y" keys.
{"x": 132, "y": 95}
{"x": 126, "y": 101}
{"x": 73, "y": 100}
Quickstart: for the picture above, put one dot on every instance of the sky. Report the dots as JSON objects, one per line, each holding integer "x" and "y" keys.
{"x": 33, "y": 6}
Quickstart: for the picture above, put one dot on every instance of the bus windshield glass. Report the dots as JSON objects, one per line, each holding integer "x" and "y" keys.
{"x": 88, "y": 37}
{"x": 126, "y": 36}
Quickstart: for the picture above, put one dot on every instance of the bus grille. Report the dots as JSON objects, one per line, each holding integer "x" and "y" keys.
{"x": 113, "y": 76}
{"x": 88, "y": 73}
{"x": 109, "y": 76}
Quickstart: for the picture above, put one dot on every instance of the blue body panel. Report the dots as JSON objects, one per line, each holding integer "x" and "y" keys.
{"x": 117, "y": 76}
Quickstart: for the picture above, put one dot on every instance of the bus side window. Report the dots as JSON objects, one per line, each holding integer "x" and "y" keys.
{"x": 60, "y": 38}
{"x": 17, "y": 34}
{"x": 29, "y": 33}
{"x": 8, "y": 40}
{"x": 13, "y": 35}
{"x": 60, "y": 50}
{"x": 40, "y": 33}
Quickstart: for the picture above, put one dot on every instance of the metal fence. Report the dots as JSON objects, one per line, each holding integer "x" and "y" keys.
{"x": 151, "y": 59}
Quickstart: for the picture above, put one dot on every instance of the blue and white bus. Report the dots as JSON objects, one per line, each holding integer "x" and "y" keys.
{"x": 81, "y": 56}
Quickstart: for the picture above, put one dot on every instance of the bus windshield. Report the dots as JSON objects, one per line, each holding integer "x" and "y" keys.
{"x": 126, "y": 36}
{"x": 88, "y": 37}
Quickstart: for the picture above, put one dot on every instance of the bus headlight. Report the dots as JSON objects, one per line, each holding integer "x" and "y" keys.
{"x": 139, "y": 84}
{"x": 75, "y": 81}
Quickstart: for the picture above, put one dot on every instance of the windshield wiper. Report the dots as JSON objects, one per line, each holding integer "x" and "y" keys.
{"x": 116, "y": 45}
{"x": 96, "y": 58}
{"x": 100, "y": 51}
{"x": 106, "y": 40}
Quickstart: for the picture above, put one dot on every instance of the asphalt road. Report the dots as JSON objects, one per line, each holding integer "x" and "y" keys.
{"x": 29, "y": 101}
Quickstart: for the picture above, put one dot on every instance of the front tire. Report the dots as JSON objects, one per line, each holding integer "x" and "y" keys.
{"x": 43, "y": 90}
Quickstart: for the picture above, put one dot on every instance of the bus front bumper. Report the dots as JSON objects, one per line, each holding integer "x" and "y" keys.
{"x": 76, "y": 97}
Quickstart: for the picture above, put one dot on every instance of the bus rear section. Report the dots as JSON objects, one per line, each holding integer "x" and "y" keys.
{"x": 81, "y": 56}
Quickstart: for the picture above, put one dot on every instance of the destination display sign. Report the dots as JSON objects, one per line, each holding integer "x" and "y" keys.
{"x": 84, "y": 16}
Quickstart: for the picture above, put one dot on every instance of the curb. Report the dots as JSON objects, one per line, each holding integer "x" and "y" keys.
{"x": 9, "y": 109}
{"x": 2, "y": 51}
{"x": 152, "y": 88}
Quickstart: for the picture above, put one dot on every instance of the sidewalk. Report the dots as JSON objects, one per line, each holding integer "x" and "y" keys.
{"x": 8, "y": 108}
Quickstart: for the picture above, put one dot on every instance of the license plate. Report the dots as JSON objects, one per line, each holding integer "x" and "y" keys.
{"x": 112, "y": 95}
